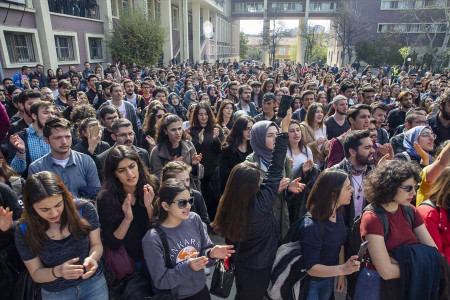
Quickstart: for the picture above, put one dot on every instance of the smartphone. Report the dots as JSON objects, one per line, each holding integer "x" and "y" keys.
{"x": 97, "y": 87}
{"x": 362, "y": 250}
{"x": 24, "y": 77}
{"x": 73, "y": 93}
{"x": 94, "y": 130}
{"x": 285, "y": 104}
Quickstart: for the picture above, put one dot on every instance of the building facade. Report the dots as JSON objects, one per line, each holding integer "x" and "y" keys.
{"x": 59, "y": 33}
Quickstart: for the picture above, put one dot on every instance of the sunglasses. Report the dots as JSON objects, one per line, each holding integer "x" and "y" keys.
{"x": 159, "y": 116}
{"x": 409, "y": 188}
{"x": 182, "y": 203}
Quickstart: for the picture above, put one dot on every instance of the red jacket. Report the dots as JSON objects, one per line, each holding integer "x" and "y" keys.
{"x": 438, "y": 226}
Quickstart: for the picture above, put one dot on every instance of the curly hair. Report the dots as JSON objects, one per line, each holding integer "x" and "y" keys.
{"x": 82, "y": 112}
{"x": 380, "y": 186}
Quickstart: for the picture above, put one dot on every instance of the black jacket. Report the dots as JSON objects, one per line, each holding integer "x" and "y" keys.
{"x": 199, "y": 206}
{"x": 397, "y": 143}
{"x": 442, "y": 133}
{"x": 228, "y": 160}
{"x": 263, "y": 236}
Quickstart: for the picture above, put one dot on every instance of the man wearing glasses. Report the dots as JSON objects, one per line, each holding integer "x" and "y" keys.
{"x": 414, "y": 117}
{"x": 123, "y": 134}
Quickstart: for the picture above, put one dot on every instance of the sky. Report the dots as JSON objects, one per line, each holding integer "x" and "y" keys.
{"x": 255, "y": 26}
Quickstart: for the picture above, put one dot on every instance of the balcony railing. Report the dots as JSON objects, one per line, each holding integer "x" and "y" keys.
{"x": 79, "y": 8}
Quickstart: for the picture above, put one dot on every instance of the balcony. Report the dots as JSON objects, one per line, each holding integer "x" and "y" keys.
{"x": 78, "y": 8}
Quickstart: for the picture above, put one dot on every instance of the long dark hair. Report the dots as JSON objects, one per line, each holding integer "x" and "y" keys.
{"x": 112, "y": 189}
{"x": 195, "y": 124}
{"x": 161, "y": 135}
{"x": 150, "y": 120}
{"x": 42, "y": 185}
{"x": 169, "y": 189}
{"x": 219, "y": 119}
{"x": 234, "y": 138}
{"x": 301, "y": 143}
{"x": 231, "y": 220}
{"x": 325, "y": 193}
{"x": 6, "y": 171}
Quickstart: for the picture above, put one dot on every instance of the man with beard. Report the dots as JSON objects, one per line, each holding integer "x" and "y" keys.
{"x": 91, "y": 93}
{"x": 137, "y": 100}
{"x": 308, "y": 98}
{"x": 108, "y": 115}
{"x": 245, "y": 101}
{"x": 337, "y": 123}
{"x": 396, "y": 117}
{"x": 359, "y": 119}
{"x": 77, "y": 170}
{"x": 26, "y": 99}
{"x": 29, "y": 144}
{"x": 123, "y": 134}
{"x": 358, "y": 162}
{"x": 440, "y": 123}
{"x": 434, "y": 90}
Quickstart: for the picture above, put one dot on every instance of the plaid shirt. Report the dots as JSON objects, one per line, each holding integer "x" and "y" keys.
{"x": 37, "y": 148}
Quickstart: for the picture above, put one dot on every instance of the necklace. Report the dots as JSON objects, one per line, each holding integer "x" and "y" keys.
{"x": 359, "y": 184}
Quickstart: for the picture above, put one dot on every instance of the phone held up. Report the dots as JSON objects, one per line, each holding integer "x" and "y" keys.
{"x": 285, "y": 104}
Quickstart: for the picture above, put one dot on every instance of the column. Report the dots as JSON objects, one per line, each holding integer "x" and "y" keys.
{"x": 46, "y": 37}
{"x": 166, "y": 22}
{"x": 209, "y": 35}
{"x": 184, "y": 36}
{"x": 266, "y": 29}
{"x": 105, "y": 11}
{"x": 196, "y": 47}
{"x": 304, "y": 30}
{"x": 300, "y": 39}
{"x": 215, "y": 35}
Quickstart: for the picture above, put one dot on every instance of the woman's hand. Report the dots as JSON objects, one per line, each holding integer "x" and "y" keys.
{"x": 284, "y": 183}
{"x": 149, "y": 195}
{"x": 216, "y": 133}
{"x": 340, "y": 286}
{"x": 307, "y": 166}
{"x": 196, "y": 159}
{"x": 150, "y": 141}
{"x": 201, "y": 136}
{"x": 285, "y": 122}
{"x": 221, "y": 252}
{"x": 321, "y": 140}
{"x": 91, "y": 266}
{"x": 197, "y": 263}
{"x": 126, "y": 208}
{"x": 422, "y": 154}
{"x": 296, "y": 187}
{"x": 5, "y": 219}
{"x": 351, "y": 265}
{"x": 68, "y": 270}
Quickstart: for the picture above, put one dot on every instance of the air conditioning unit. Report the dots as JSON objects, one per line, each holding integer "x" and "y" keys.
{"x": 18, "y": 2}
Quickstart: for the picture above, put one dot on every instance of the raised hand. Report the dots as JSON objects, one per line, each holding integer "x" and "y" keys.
{"x": 150, "y": 141}
{"x": 222, "y": 252}
{"x": 149, "y": 195}
{"x": 285, "y": 122}
{"x": 126, "y": 208}
{"x": 216, "y": 133}
{"x": 201, "y": 136}
{"x": 17, "y": 143}
{"x": 5, "y": 219}
{"x": 296, "y": 187}
{"x": 284, "y": 183}
{"x": 196, "y": 159}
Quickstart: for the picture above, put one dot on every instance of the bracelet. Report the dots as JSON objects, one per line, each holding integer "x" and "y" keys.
{"x": 53, "y": 273}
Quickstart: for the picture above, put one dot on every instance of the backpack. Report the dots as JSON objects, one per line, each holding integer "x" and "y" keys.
{"x": 430, "y": 203}
{"x": 288, "y": 279}
{"x": 354, "y": 237}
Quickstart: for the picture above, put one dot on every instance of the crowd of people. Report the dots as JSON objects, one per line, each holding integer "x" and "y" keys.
{"x": 109, "y": 173}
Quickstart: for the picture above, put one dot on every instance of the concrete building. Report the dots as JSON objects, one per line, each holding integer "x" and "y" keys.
{"x": 59, "y": 33}
{"x": 283, "y": 50}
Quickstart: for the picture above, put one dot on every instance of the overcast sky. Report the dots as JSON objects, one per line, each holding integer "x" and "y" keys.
{"x": 255, "y": 26}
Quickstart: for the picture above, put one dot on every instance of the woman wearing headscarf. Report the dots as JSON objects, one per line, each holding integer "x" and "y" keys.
{"x": 189, "y": 97}
{"x": 262, "y": 141}
{"x": 418, "y": 143}
{"x": 174, "y": 100}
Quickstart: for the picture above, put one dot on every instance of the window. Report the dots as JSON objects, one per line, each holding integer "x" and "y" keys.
{"x": 175, "y": 25}
{"x": 65, "y": 48}
{"x": 95, "y": 48}
{"x": 20, "y": 47}
{"x": 282, "y": 51}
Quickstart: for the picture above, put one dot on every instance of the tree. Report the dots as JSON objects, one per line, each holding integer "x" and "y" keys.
{"x": 243, "y": 46}
{"x": 137, "y": 38}
{"x": 349, "y": 26}
{"x": 430, "y": 22}
{"x": 379, "y": 52}
{"x": 404, "y": 52}
{"x": 315, "y": 44}
{"x": 273, "y": 37}
{"x": 255, "y": 54}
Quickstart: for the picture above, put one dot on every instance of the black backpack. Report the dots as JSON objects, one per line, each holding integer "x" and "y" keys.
{"x": 430, "y": 203}
{"x": 354, "y": 237}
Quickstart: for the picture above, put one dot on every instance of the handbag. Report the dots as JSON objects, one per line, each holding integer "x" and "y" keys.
{"x": 120, "y": 263}
{"x": 222, "y": 280}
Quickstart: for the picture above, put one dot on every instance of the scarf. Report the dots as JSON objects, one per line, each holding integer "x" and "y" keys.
{"x": 258, "y": 141}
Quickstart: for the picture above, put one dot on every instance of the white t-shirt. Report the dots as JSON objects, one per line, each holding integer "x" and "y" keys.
{"x": 122, "y": 109}
{"x": 62, "y": 163}
{"x": 299, "y": 159}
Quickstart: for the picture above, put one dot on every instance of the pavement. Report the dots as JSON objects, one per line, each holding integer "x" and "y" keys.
{"x": 217, "y": 240}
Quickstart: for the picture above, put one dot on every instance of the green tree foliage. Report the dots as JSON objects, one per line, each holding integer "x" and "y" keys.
{"x": 243, "y": 46}
{"x": 384, "y": 51}
{"x": 254, "y": 54}
{"x": 137, "y": 38}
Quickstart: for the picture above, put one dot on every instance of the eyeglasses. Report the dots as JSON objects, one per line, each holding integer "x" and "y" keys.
{"x": 182, "y": 203}
{"x": 124, "y": 135}
{"x": 409, "y": 188}
{"x": 428, "y": 135}
{"x": 420, "y": 122}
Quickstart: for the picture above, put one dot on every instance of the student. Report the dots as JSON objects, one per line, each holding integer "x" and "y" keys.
{"x": 59, "y": 241}
{"x": 124, "y": 202}
{"x": 245, "y": 216}
{"x": 190, "y": 247}
{"x": 314, "y": 133}
{"x": 323, "y": 235}
{"x": 391, "y": 187}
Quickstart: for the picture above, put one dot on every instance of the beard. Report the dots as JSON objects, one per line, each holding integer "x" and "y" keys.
{"x": 365, "y": 161}
{"x": 27, "y": 112}
{"x": 39, "y": 124}
{"x": 445, "y": 114}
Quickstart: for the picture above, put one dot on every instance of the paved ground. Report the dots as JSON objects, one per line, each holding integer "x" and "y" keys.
{"x": 219, "y": 241}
